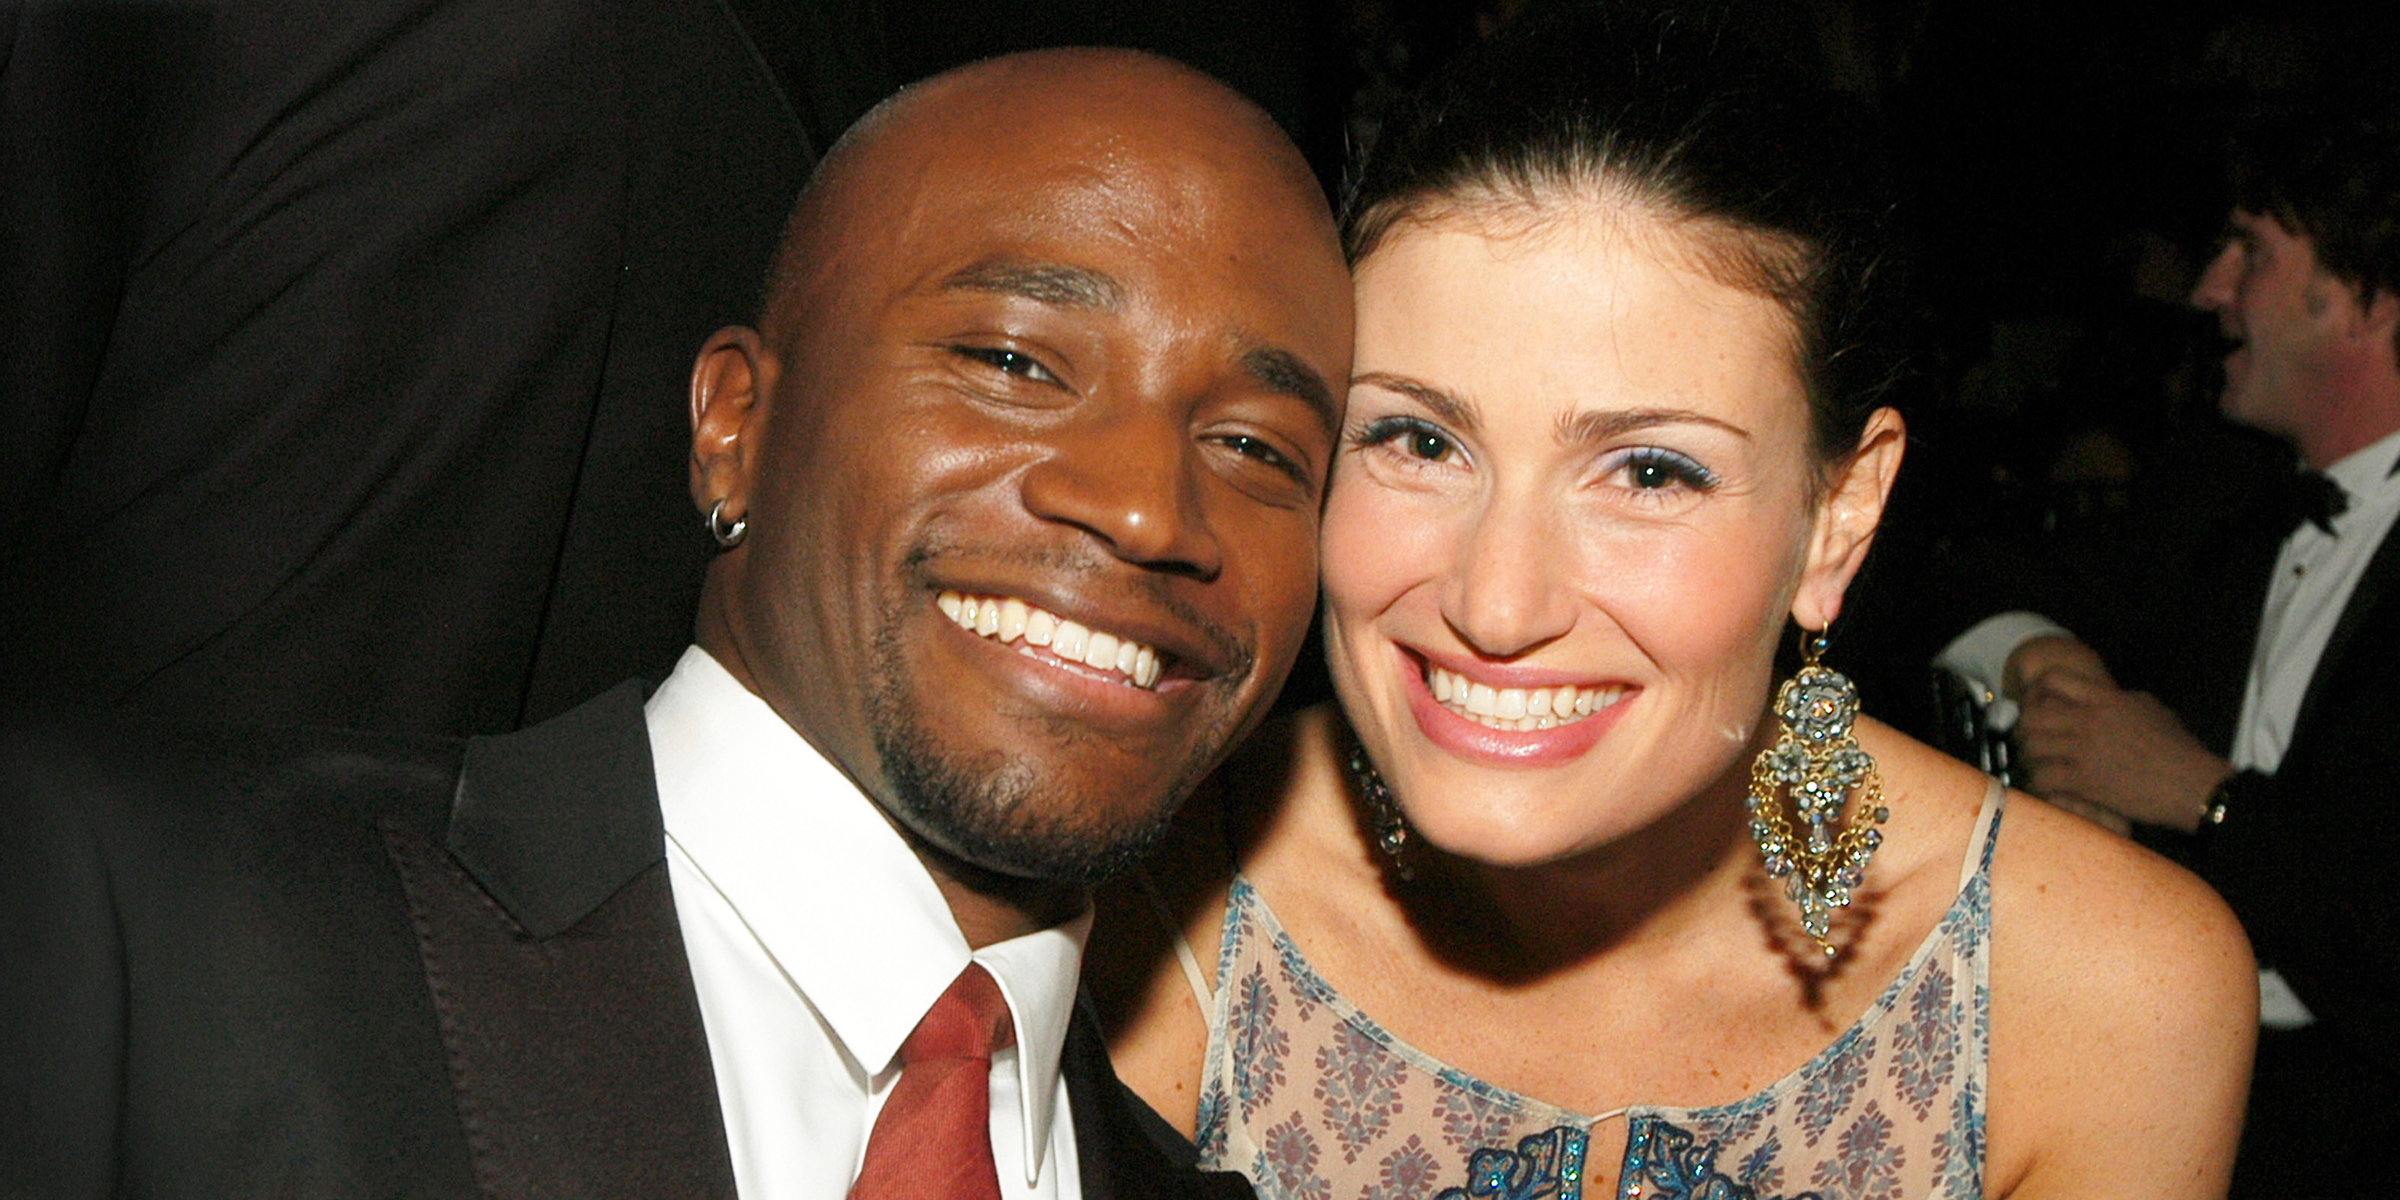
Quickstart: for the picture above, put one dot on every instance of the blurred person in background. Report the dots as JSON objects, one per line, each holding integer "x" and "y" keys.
{"x": 2225, "y": 690}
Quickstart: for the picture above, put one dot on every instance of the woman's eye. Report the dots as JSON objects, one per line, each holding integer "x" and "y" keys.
{"x": 1011, "y": 361}
{"x": 1652, "y": 469}
{"x": 1416, "y": 439}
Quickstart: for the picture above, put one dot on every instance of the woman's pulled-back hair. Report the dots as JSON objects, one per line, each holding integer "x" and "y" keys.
{"x": 1777, "y": 181}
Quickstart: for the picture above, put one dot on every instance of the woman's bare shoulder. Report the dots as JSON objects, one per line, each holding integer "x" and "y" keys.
{"x": 2078, "y": 896}
{"x": 2123, "y": 1000}
{"x": 2109, "y": 916}
{"x": 2124, "y": 1013}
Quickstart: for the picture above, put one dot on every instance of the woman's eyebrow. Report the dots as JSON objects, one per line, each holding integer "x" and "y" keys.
{"x": 1450, "y": 406}
{"x": 1577, "y": 427}
{"x": 1583, "y": 427}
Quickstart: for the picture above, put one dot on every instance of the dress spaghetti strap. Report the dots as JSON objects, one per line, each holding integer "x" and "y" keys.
{"x": 1192, "y": 974}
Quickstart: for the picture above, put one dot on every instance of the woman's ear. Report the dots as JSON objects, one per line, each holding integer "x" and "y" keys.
{"x": 1856, "y": 491}
{"x": 730, "y": 383}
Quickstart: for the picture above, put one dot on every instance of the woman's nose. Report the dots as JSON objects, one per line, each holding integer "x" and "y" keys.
{"x": 1508, "y": 591}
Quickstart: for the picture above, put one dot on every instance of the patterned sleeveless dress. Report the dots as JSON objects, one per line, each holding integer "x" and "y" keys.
{"x": 1313, "y": 1100}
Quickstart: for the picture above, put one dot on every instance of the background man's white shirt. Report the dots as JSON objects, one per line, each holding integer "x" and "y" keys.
{"x": 2315, "y": 573}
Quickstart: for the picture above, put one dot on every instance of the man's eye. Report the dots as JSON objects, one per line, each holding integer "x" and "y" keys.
{"x": 1011, "y": 361}
{"x": 1263, "y": 451}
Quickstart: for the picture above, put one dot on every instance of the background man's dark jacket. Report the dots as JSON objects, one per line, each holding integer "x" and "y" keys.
{"x": 2305, "y": 856}
{"x": 343, "y": 343}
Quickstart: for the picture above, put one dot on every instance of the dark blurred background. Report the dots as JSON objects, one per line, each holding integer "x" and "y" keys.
{"x": 2060, "y": 164}
{"x": 318, "y": 413}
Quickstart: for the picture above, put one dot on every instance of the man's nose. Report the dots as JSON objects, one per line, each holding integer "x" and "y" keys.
{"x": 1131, "y": 481}
{"x": 2214, "y": 290}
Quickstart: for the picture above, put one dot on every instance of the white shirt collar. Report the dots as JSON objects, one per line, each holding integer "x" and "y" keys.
{"x": 831, "y": 890}
{"x": 2366, "y": 471}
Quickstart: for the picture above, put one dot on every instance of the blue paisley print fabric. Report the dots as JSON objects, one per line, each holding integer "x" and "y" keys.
{"x": 1314, "y": 1101}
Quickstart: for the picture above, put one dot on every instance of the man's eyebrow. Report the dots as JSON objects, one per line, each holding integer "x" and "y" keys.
{"x": 1282, "y": 371}
{"x": 1601, "y": 426}
{"x": 1043, "y": 283}
{"x": 1452, "y": 407}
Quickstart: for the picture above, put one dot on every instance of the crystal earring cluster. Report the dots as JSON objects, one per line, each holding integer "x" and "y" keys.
{"x": 1384, "y": 818}
{"x": 1818, "y": 761}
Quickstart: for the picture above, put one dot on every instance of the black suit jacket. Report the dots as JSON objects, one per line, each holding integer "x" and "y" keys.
{"x": 2305, "y": 856}
{"x": 350, "y": 965}
{"x": 2303, "y": 851}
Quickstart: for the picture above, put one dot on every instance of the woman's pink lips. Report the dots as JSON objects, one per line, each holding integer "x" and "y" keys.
{"x": 1468, "y": 739}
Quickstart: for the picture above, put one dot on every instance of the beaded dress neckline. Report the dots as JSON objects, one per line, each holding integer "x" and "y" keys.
{"x": 1314, "y": 1100}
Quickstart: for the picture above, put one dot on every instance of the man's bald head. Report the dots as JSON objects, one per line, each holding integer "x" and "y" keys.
{"x": 1086, "y": 105}
{"x": 1031, "y": 448}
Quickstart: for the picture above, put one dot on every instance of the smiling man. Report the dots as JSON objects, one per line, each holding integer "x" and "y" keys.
{"x": 1031, "y": 471}
{"x": 1018, "y": 480}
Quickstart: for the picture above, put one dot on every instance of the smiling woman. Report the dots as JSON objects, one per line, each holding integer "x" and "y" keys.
{"x": 1559, "y": 903}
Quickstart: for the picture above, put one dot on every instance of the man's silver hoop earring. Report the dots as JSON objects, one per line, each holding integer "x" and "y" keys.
{"x": 727, "y": 536}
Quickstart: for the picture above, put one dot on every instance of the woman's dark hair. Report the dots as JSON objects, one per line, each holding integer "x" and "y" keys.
{"x": 1779, "y": 181}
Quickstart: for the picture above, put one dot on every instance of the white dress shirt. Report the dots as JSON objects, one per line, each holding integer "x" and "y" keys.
{"x": 817, "y": 941}
{"x": 2315, "y": 573}
{"x": 2314, "y": 576}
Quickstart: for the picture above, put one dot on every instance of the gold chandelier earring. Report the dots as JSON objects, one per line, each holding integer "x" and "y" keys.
{"x": 1818, "y": 761}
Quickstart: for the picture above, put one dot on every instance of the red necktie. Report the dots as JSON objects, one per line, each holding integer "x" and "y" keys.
{"x": 933, "y": 1138}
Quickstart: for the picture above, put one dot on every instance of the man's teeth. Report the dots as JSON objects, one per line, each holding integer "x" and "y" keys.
{"x": 1518, "y": 708}
{"x": 1006, "y": 619}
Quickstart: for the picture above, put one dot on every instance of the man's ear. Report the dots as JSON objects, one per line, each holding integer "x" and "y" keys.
{"x": 1855, "y": 494}
{"x": 2379, "y": 317}
{"x": 730, "y": 384}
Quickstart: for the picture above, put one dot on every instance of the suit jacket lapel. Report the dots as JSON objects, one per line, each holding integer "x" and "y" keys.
{"x": 1127, "y": 1151}
{"x": 550, "y": 942}
{"x": 2374, "y": 587}
{"x": 2208, "y": 695}
{"x": 551, "y": 946}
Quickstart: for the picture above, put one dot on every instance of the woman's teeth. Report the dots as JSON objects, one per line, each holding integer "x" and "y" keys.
{"x": 1518, "y": 708}
{"x": 1006, "y": 620}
